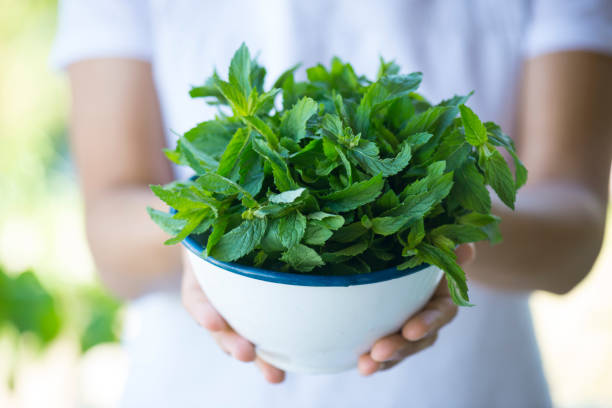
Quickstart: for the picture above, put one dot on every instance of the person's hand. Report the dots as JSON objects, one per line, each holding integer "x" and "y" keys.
{"x": 420, "y": 331}
{"x": 205, "y": 315}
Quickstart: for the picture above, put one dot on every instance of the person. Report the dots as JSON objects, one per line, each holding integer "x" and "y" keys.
{"x": 542, "y": 69}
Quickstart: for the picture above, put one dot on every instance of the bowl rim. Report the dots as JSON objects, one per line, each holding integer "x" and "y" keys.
{"x": 301, "y": 279}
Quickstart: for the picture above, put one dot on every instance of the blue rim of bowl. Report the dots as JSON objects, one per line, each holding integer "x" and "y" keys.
{"x": 299, "y": 279}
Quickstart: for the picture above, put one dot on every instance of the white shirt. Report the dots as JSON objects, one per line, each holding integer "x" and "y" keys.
{"x": 487, "y": 357}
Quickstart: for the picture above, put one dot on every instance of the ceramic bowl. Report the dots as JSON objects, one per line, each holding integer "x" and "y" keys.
{"x": 308, "y": 323}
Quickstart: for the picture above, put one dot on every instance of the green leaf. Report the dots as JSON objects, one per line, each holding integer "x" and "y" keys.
{"x": 355, "y": 195}
{"x": 499, "y": 138}
{"x": 251, "y": 171}
{"x": 386, "y": 201}
{"x": 489, "y": 224}
{"x": 210, "y": 137}
{"x": 197, "y": 159}
{"x": 453, "y": 149}
{"x": 346, "y": 253}
{"x": 166, "y": 221}
{"x": 283, "y": 77}
{"x": 271, "y": 242}
{"x": 423, "y": 122}
{"x": 28, "y": 306}
{"x": 240, "y": 70}
{"x": 475, "y": 131}
{"x": 239, "y": 241}
{"x": 293, "y": 123}
{"x": 455, "y": 276}
{"x": 193, "y": 222}
{"x": 499, "y": 177}
{"x": 233, "y": 152}
{"x": 287, "y": 197}
{"x": 302, "y": 258}
{"x": 417, "y": 140}
{"x": 331, "y": 126}
{"x": 367, "y": 157}
{"x": 234, "y": 96}
{"x": 180, "y": 199}
{"x": 350, "y": 232}
{"x": 263, "y": 129}
{"x": 317, "y": 233}
{"x": 282, "y": 177}
{"x": 331, "y": 221}
{"x": 413, "y": 208}
{"x": 218, "y": 230}
{"x": 291, "y": 229}
{"x": 218, "y": 184}
{"x": 460, "y": 234}
{"x": 470, "y": 189}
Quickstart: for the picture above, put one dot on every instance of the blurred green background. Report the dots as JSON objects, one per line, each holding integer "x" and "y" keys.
{"x": 61, "y": 351}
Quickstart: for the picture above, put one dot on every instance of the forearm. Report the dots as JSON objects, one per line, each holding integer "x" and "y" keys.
{"x": 549, "y": 243}
{"x": 127, "y": 246}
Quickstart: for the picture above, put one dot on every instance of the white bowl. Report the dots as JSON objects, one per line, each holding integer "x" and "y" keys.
{"x": 311, "y": 323}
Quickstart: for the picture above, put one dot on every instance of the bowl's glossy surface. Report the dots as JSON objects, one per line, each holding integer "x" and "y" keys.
{"x": 312, "y": 323}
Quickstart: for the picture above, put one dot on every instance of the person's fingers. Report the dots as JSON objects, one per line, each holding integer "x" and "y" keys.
{"x": 411, "y": 347}
{"x": 437, "y": 312}
{"x": 466, "y": 253}
{"x": 367, "y": 365}
{"x": 196, "y": 303}
{"x": 234, "y": 344}
{"x": 272, "y": 374}
{"x": 389, "y": 351}
{"x": 388, "y": 348}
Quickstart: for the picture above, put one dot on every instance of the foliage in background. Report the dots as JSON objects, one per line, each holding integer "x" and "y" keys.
{"x": 29, "y": 310}
{"x": 349, "y": 176}
{"x": 28, "y": 307}
{"x": 40, "y": 226}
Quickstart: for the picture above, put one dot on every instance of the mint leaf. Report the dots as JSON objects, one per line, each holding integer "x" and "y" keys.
{"x": 293, "y": 123}
{"x": 291, "y": 229}
{"x": 475, "y": 131}
{"x": 414, "y": 208}
{"x": 302, "y": 258}
{"x": 166, "y": 221}
{"x": 317, "y": 233}
{"x": 271, "y": 241}
{"x": 218, "y": 229}
{"x": 216, "y": 183}
{"x": 287, "y": 197}
{"x": 251, "y": 171}
{"x": 331, "y": 221}
{"x": 350, "y": 232}
{"x": 499, "y": 138}
{"x": 193, "y": 222}
{"x": 499, "y": 177}
{"x": 346, "y": 253}
{"x": 367, "y": 157}
{"x": 234, "y": 150}
{"x": 470, "y": 189}
{"x": 455, "y": 276}
{"x": 263, "y": 129}
{"x": 354, "y": 195}
{"x": 240, "y": 241}
{"x": 240, "y": 70}
{"x": 282, "y": 177}
{"x": 460, "y": 234}
{"x": 234, "y": 95}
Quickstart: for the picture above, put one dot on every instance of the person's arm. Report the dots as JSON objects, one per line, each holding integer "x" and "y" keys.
{"x": 117, "y": 140}
{"x": 565, "y": 138}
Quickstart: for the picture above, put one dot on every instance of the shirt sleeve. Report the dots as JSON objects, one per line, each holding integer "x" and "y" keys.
{"x": 101, "y": 29}
{"x": 560, "y": 25}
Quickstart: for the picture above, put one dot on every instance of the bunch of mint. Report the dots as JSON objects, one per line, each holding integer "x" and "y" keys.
{"x": 350, "y": 176}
